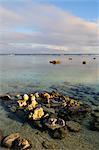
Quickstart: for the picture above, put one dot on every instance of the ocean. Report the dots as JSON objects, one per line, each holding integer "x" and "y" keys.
{"x": 28, "y": 73}
{"x": 24, "y": 73}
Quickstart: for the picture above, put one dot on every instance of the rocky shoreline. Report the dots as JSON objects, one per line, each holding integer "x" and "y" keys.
{"x": 53, "y": 113}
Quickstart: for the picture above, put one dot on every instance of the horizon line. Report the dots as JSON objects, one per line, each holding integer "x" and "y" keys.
{"x": 49, "y": 54}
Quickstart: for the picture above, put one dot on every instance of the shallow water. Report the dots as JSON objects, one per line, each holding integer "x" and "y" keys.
{"x": 20, "y": 73}
{"x": 29, "y": 73}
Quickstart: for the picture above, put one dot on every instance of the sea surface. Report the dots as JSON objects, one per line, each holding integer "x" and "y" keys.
{"x": 23, "y": 73}
{"x": 28, "y": 73}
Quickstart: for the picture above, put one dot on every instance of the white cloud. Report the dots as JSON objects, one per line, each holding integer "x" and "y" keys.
{"x": 55, "y": 29}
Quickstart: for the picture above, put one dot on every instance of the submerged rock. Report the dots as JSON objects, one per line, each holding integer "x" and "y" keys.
{"x": 73, "y": 126}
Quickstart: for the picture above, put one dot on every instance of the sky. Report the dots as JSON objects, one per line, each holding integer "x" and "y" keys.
{"x": 49, "y": 26}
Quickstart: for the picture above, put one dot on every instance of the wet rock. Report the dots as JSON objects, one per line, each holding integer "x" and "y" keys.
{"x": 59, "y": 133}
{"x": 55, "y": 123}
{"x": 8, "y": 141}
{"x": 5, "y": 97}
{"x": 73, "y": 126}
{"x": 21, "y": 144}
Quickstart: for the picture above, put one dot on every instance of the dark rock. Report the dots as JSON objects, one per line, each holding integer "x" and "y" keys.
{"x": 95, "y": 114}
{"x": 55, "y": 62}
{"x": 73, "y": 126}
{"x": 37, "y": 124}
{"x": 84, "y": 62}
{"x": 56, "y": 134}
{"x": 59, "y": 133}
{"x": 5, "y": 97}
{"x": 22, "y": 114}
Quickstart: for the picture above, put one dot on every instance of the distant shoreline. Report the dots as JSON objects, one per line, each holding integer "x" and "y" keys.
{"x": 44, "y": 54}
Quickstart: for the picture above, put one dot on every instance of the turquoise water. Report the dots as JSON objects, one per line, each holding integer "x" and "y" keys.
{"x": 27, "y": 72}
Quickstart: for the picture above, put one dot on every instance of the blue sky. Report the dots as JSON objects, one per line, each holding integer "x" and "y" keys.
{"x": 87, "y": 9}
{"x": 66, "y": 26}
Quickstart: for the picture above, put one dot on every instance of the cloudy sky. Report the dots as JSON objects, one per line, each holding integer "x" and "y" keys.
{"x": 49, "y": 26}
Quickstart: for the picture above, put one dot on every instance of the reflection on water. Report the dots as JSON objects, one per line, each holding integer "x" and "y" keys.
{"x": 24, "y": 72}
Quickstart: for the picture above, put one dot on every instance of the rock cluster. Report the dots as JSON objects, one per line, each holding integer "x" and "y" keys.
{"x": 52, "y": 111}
